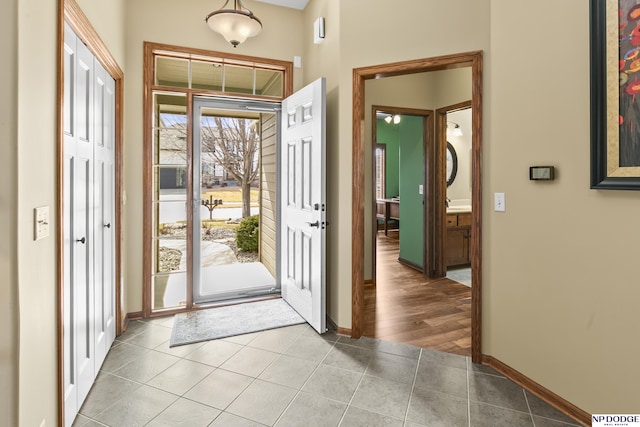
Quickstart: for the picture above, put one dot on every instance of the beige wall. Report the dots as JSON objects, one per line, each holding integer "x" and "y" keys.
{"x": 388, "y": 35}
{"x": 107, "y": 18}
{"x": 8, "y": 215}
{"x": 322, "y": 60}
{"x": 33, "y": 185}
{"x": 182, "y": 24}
{"x": 36, "y": 173}
{"x": 558, "y": 265}
{"x": 460, "y": 191}
{"x": 560, "y": 277}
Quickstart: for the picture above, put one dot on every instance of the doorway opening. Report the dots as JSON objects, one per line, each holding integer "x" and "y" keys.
{"x": 211, "y": 125}
{"x": 438, "y": 195}
{"x": 458, "y": 139}
{"x": 229, "y": 255}
{"x": 402, "y": 150}
{"x": 407, "y": 301}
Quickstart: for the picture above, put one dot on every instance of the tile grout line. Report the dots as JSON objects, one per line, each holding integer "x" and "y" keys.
{"x": 468, "y": 391}
{"x": 333, "y": 345}
{"x": 533, "y": 422}
{"x": 141, "y": 384}
{"x": 180, "y": 358}
{"x": 253, "y": 380}
{"x": 354, "y": 393}
{"x": 413, "y": 387}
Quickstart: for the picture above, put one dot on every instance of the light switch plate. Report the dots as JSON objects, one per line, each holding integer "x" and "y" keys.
{"x": 420, "y": 189}
{"x": 499, "y": 202}
{"x": 40, "y": 222}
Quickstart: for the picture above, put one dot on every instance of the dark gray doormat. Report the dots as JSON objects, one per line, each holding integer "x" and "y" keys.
{"x": 221, "y": 322}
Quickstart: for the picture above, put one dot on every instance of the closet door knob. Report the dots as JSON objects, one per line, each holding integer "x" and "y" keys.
{"x": 83, "y": 240}
{"x": 108, "y": 225}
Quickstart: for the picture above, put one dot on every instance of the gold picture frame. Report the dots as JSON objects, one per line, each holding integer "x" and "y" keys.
{"x": 615, "y": 81}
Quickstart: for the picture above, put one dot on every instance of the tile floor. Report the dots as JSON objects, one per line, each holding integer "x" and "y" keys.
{"x": 294, "y": 377}
{"x": 460, "y": 275}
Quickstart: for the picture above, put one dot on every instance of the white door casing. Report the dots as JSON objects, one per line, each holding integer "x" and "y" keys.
{"x": 303, "y": 223}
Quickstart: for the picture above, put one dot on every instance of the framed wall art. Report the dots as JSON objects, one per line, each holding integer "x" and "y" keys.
{"x": 615, "y": 94}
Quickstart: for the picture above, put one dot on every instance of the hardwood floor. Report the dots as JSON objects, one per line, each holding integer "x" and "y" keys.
{"x": 405, "y": 306}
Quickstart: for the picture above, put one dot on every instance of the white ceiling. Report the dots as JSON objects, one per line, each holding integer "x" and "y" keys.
{"x": 294, "y": 4}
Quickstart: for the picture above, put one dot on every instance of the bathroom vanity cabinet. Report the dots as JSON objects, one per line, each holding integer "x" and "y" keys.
{"x": 458, "y": 238}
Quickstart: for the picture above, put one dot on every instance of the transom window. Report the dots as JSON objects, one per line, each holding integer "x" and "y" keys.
{"x": 218, "y": 75}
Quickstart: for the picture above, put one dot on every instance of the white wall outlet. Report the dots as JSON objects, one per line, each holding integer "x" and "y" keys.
{"x": 420, "y": 189}
{"x": 40, "y": 222}
{"x": 499, "y": 202}
{"x": 297, "y": 61}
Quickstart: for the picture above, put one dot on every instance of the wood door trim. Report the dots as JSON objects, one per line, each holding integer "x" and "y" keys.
{"x": 360, "y": 75}
{"x": 70, "y": 12}
{"x": 441, "y": 146}
{"x": 427, "y": 159}
{"x": 150, "y": 50}
{"x": 562, "y": 405}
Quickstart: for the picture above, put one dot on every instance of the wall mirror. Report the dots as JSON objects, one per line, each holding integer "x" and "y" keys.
{"x": 452, "y": 164}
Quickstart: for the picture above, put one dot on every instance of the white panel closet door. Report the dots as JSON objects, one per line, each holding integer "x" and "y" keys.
{"x": 69, "y": 372}
{"x": 88, "y": 207}
{"x": 82, "y": 212}
{"x": 104, "y": 256}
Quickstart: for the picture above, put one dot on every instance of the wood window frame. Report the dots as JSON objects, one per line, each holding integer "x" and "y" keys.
{"x": 152, "y": 49}
{"x": 383, "y": 172}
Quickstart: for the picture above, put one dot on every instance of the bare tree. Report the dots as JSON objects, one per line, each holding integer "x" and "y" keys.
{"x": 229, "y": 142}
{"x": 233, "y": 143}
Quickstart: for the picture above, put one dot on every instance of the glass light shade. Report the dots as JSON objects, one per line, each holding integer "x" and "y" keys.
{"x": 235, "y": 25}
{"x": 453, "y": 129}
{"x": 395, "y": 118}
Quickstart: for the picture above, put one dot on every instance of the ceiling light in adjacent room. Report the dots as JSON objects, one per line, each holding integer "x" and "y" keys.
{"x": 395, "y": 118}
{"x": 453, "y": 129}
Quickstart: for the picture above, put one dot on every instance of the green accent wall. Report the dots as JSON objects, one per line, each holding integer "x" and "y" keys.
{"x": 411, "y": 177}
{"x": 388, "y": 134}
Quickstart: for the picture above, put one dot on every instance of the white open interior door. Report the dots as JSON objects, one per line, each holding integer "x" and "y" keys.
{"x": 302, "y": 204}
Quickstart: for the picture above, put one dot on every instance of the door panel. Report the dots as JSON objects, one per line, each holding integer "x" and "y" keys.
{"x": 88, "y": 205}
{"x": 303, "y": 210}
{"x": 83, "y": 217}
{"x": 104, "y": 191}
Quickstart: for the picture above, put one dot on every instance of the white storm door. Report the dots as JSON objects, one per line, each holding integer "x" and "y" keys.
{"x": 302, "y": 204}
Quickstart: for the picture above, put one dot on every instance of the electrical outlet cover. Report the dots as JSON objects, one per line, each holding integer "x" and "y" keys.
{"x": 499, "y": 202}
{"x": 40, "y": 222}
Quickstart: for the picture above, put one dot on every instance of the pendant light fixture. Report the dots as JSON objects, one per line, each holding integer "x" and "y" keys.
{"x": 236, "y": 24}
{"x": 395, "y": 118}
